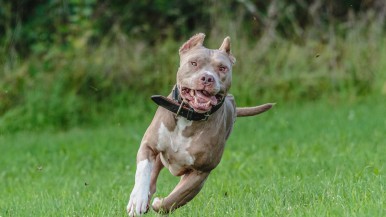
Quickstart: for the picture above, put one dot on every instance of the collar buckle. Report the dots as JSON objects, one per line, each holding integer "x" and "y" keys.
{"x": 207, "y": 115}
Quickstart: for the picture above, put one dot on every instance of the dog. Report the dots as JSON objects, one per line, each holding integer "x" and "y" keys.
{"x": 188, "y": 132}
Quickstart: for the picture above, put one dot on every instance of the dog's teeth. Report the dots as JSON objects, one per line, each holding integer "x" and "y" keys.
{"x": 208, "y": 103}
{"x": 192, "y": 92}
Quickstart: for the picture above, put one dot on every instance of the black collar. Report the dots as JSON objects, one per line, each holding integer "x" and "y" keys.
{"x": 177, "y": 106}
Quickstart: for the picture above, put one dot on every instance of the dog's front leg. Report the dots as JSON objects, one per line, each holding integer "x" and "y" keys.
{"x": 139, "y": 197}
{"x": 157, "y": 167}
{"x": 188, "y": 187}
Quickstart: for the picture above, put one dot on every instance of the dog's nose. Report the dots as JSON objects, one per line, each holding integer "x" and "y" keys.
{"x": 207, "y": 79}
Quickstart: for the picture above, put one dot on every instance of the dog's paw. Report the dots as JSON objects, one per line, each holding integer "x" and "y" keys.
{"x": 157, "y": 204}
{"x": 138, "y": 203}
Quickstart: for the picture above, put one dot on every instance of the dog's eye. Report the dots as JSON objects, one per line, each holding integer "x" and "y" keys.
{"x": 193, "y": 63}
{"x": 222, "y": 68}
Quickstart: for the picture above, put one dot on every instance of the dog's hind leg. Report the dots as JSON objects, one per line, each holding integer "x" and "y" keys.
{"x": 188, "y": 187}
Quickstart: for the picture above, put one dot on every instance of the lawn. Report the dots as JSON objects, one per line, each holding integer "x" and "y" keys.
{"x": 313, "y": 159}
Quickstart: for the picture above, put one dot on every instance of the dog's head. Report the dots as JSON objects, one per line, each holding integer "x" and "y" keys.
{"x": 204, "y": 76}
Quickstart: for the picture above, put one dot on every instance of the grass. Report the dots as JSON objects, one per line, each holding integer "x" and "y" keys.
{"x": 72, "y": 115}
{"x": 315, "y": 159}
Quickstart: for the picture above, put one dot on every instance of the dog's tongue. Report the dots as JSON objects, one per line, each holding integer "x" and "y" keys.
{"x": 204, "y": 99}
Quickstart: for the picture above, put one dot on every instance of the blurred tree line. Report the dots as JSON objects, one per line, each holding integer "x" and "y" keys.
{"x": 33, "y": 25}
{"x": 68, "y": 62}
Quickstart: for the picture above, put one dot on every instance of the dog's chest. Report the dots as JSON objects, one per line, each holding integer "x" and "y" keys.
{"x": 173, "y": 147}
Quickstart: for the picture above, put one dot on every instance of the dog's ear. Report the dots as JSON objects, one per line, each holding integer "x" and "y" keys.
{"x": 196, "y": 40}
{"x": 226, "y": 48}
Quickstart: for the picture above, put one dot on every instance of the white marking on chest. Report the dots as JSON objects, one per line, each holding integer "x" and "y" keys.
{"x": 175, "y": 144}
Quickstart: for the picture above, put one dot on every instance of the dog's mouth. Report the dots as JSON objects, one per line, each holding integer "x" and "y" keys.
{"x": 200, "y": 100}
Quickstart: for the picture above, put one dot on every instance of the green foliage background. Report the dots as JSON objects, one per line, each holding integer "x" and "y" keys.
{"x": 71, "y": 63}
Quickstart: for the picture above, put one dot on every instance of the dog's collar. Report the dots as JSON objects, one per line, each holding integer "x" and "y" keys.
{"x": 180, "y": 108}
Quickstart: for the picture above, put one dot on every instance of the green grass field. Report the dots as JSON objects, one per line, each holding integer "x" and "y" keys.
{"x": 314, "y": 159}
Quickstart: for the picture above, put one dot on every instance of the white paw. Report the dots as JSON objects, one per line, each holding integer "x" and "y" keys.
{"x": 138, "y": 203}
{"x": 139, "y": 197}
{"x": 157, "y": 202}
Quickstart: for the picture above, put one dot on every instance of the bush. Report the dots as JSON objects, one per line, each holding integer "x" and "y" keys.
{"x": 82, "y": 66}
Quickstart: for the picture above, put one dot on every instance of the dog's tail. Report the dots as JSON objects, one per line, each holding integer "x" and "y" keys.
{"x": 250, "y": 111}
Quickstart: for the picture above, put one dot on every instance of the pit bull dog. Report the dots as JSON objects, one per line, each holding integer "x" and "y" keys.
{"x": 190, "y": 127}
